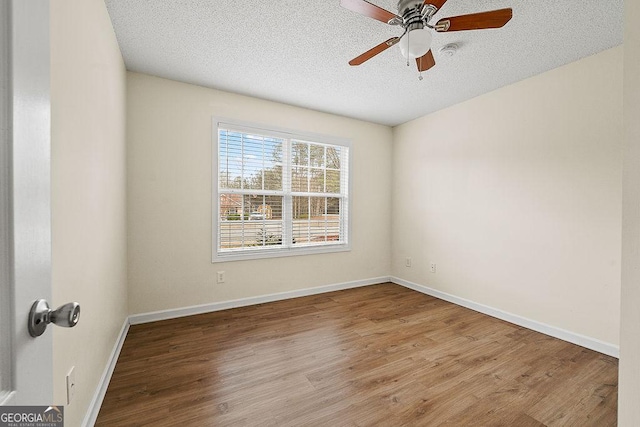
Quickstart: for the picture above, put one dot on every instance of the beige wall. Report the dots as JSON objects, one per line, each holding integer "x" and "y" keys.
{"x": 169, "y": 132}
{"x": 516, "y": 196}
{"x": 88, "y": 193}
{"x": 629, "y": 410}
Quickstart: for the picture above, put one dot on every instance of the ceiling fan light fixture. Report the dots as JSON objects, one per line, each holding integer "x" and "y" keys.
{"x": 415, "y": 43}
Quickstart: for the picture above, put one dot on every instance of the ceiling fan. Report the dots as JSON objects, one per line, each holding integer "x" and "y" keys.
{"x": 414, "y": 16}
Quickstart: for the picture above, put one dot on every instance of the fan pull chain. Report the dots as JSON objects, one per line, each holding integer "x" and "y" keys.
{"x": 408, "y": 44}
{"x": 420, "y": 70}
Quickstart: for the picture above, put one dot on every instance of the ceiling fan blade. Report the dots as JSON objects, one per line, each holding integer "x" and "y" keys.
{"x": 436, "y": 3}
{"x": 426, "y": 61}
{"x": 365, "y": 8}
{"x": 475, "y": 21}
{"x": 374, "y": 51}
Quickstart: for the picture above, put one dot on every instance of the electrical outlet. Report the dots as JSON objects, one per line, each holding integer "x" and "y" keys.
{"x": 220, "y": 276}
{"x": 407, "y": 262}
{"x": 71, "y": 384}
{"x": 433, "y": 267}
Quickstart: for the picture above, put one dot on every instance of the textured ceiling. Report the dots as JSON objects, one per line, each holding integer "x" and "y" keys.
{"x": 296, "y": 52}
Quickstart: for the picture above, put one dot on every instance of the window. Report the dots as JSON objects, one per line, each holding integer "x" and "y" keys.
{"x": 278, "y": 193}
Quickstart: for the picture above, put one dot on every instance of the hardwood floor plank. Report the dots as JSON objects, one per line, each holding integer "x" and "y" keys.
{"x": 377, "y": 355}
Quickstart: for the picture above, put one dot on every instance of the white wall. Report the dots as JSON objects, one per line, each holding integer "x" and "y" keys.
{"x": 88, "y": 193}
{"x": 169, "y": 132}
{"x": 628, "y": 408}
{"x": 516, "y": 196}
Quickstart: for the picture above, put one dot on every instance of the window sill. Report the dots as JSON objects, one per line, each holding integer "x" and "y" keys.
{"x": 280, "y": 253}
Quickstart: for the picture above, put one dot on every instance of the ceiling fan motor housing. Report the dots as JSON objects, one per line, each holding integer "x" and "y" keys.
{"x": 415, "y": 13}
{"x": 406, "y": 6}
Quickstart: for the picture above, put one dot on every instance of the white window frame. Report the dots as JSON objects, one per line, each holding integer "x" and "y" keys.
{"x": 271, "y": 252}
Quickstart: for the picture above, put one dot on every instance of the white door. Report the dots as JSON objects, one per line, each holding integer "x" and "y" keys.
{"x": 26, "y": 369}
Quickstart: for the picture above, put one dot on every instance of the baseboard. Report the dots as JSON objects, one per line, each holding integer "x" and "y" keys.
{"x": 154, "y": 316}
{"x": 94, "y": 407}
{"x": 574, "y": 338}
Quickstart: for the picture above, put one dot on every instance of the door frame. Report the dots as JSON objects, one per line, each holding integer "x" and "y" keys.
{"x": 27, "y": 204}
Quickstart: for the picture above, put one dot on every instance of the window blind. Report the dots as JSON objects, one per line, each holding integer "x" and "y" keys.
{"x": 278, "y": 192}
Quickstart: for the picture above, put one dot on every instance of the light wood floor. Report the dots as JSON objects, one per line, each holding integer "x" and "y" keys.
{"x": 375, "y": 356}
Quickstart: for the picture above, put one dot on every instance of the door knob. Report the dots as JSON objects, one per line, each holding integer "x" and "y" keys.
{"x": 41, "y": 315}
